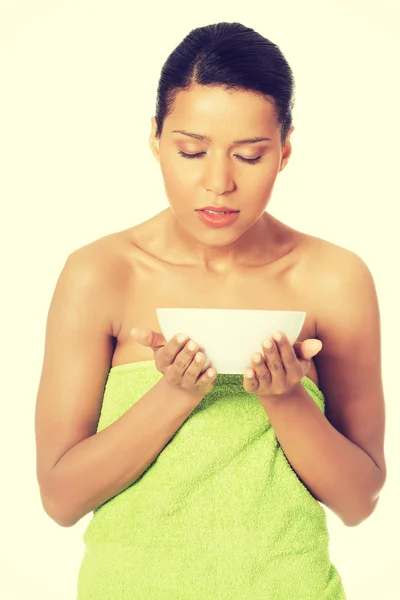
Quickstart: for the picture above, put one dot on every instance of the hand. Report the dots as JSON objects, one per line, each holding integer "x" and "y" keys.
{"x": 177, "y": 362}
{"x": 281, "y": 367}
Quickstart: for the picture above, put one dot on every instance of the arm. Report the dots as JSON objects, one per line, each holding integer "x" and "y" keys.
{"x": 340, "y": 456}
{"x": 106, "y": 463}
{"x": 77, "y": 468}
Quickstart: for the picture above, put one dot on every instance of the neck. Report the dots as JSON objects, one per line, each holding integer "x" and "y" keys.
{"x": 218, "y": 251}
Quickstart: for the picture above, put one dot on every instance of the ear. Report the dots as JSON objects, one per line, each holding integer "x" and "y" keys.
{"x": 287, "y": 150}
{"x": 153, "y": 141}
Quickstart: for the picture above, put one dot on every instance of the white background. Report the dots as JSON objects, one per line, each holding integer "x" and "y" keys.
{"x": 77, "y": 91}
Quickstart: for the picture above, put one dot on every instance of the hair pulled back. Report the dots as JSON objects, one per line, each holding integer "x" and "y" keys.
{"x": 231, "y": 56}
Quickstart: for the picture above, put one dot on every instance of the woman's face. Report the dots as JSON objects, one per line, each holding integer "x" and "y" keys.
{"x": 226, "y": 172}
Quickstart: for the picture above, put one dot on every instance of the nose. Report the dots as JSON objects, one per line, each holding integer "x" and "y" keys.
{"x": 217, "y": 176}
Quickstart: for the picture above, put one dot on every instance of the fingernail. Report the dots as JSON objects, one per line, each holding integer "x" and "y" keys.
{"x": 133, "y": 331}
{"x": 267, "y": 344}
{"x": 181, "y": 338}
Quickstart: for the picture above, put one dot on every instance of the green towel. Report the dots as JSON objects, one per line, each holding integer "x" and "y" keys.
{"x": 219, "y": 515}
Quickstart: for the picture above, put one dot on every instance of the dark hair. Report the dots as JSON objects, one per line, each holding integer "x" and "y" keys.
{"x": 231, "y": 56}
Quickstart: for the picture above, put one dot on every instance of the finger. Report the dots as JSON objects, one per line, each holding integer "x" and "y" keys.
{"x": 172, "y": 348}
{"x": 148, "y": 337}
{"x": 262, "y": 372}
{"x": 311, "y": 347}
{"x": 291, "y": 365}
{"x": 308, "y": 348}
{"x": 196, "y": 370}
{"x": 273, "y": 360}
{"x": 184, "y": 356}
{"x": 250, "y": 382}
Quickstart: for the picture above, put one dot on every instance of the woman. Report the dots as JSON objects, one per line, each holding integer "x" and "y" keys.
{"x": 206, "y": 485}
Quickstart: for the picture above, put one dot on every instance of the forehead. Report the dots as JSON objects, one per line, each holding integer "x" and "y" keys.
{"x": 207, "y": 107}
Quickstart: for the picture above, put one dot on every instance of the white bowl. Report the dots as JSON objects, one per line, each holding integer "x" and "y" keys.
{"x": 229, "y": 337}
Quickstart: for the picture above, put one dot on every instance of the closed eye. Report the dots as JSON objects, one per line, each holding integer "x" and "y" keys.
{"x": 250, "y": 161}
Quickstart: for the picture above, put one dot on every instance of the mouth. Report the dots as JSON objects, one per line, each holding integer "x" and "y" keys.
{"x": 221, "y": 218}
{"x": 224, "y": 210}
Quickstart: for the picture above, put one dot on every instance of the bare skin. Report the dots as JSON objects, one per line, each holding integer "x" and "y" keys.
{"x": 116, "y": 283}
{"x": 252, "y": 264}
{"x": 282, "y": 284}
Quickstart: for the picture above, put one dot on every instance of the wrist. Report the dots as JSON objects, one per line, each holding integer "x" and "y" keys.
{"x": 276, "y": 398}
{"x": 178, "y": 394}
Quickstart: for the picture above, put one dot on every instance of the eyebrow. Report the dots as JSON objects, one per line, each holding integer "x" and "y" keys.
{"x": 197, "y": 136}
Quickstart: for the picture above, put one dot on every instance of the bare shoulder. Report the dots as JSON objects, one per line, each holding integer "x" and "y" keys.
{"x": 106, "y": 258}
{"x": 105, "y": 265}
{"x": 329, "y": 262}
{"x": 329, "y": 274}
{"x": 101, "y": 256}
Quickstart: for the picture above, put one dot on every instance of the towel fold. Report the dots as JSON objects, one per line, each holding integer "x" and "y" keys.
{"x": 219, "y": 515}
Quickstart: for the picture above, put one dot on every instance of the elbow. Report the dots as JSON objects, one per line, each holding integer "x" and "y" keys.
{"x": 354, "y": 521}
{"x": 64, "y": 521}
{"x": 57, "y": 513}
{"x": 362, "y": 516}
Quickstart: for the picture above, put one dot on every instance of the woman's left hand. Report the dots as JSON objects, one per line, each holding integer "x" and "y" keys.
{"x": 281, "y": 367}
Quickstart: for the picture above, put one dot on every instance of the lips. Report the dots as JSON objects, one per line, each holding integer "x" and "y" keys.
{"x": 218, "y": 209}
{"x": 211, "y": 219}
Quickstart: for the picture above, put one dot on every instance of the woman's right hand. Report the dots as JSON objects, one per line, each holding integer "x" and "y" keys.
{"x": 177, "y": 362}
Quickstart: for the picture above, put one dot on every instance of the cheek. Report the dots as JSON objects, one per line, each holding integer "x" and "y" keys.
{"x": 258, "y": 185}
{"x": 176, "y": 175}
{"x": 179, "y": 184}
